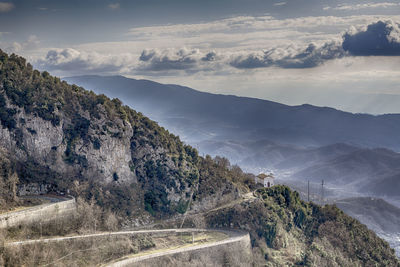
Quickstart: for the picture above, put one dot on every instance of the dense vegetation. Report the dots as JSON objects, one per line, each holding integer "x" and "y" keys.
{"x": 285, "y": 231}
{"x": 90, "y": 119}
{"x": 8, "y": 182}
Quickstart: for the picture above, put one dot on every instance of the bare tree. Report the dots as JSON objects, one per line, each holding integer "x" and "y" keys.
{"x": 110, "y": 221}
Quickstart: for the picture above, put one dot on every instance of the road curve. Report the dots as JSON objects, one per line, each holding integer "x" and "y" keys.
{"x": 234, "y": 236}
{"x": 165, "y": 231}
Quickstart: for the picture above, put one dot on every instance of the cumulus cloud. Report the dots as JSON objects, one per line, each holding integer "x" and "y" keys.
{"x": 378, "y": 39}
{"x": 78, "y": 61}
{"x": 346, "y": 7}
{"x": 170, "y": 59}
{"x": 289, "y": 57}
{"x": 6, "y": 7}
{"x": 188, "y": 60}
{"x": 210, "y": 56}
{"x": 283, "y": 57}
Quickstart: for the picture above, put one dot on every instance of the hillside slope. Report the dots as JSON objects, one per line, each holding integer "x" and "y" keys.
{"x": 290, "y": 232}
{"x": 380, "y": 216}
{"x": 70, "y": 138}
{"x": 108, "y": 154}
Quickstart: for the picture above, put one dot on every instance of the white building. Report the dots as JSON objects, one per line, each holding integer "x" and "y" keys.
{"x": 267, "y": 180}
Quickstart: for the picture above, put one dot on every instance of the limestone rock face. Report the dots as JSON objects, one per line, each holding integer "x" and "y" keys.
{"x": 70, "y": 138}
{"x": 46, "y": 144}
{"x": 109, "y": 152}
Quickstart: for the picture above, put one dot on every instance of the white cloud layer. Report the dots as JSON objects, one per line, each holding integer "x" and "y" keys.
{"x": 77, "y": 62}
{"x": 348, "y": 7}
{"x": 236, "y": 44}
{"x": 290, "y": 57}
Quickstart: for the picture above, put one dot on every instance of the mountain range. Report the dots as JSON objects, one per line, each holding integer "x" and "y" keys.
{"x": 304, "y": 142}
{"x": 221, "y": 117}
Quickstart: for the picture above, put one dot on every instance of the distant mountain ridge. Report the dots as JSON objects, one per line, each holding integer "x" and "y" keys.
{"x": 212, "y": 116}
{"x": 298, "y": 142}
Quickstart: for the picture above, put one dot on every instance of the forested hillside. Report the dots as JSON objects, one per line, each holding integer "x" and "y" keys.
{"x": 71, "y": 138}
{"x": 290, "y": 232}
{"x": 120, "y": 161}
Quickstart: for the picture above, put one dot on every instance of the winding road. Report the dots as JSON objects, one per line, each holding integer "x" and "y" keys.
{"x": 233, "y": 237}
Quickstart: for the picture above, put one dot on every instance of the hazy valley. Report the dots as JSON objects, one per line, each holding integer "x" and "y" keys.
{"x": 349, "y": 162}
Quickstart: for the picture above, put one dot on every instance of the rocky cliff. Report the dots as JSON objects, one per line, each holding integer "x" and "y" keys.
{"x": 63, "y": 135}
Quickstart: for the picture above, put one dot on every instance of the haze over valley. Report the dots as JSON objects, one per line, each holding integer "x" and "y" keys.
{"x": 297, "y": 143}
{"x": 199, "y": 133}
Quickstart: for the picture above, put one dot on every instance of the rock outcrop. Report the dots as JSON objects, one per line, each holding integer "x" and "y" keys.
{"x": 60, "y": 133}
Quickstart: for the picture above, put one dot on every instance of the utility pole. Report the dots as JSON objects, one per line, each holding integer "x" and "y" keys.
{"x": 322, "y": 186}
{"x": 308, "y": 191}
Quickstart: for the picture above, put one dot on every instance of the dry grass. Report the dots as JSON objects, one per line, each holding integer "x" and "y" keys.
{"x": 95, "y": 251}
{"x": 181, "y": 240}
{"x": 76, "y": 252}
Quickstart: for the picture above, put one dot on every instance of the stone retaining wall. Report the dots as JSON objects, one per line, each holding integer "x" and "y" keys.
{"x": 41, "y": 213}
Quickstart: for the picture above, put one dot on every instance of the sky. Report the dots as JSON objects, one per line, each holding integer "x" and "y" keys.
{"x": 343, "y": 54}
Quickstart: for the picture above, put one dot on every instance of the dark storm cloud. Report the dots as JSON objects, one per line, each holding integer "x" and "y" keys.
{"x": 379, "y": 39}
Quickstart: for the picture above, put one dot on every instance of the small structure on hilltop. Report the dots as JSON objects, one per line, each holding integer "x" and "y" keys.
{"x": 267, "y": 180}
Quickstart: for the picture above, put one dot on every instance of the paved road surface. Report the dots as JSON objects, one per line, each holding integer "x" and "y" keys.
{"x": 233, "y": 236}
